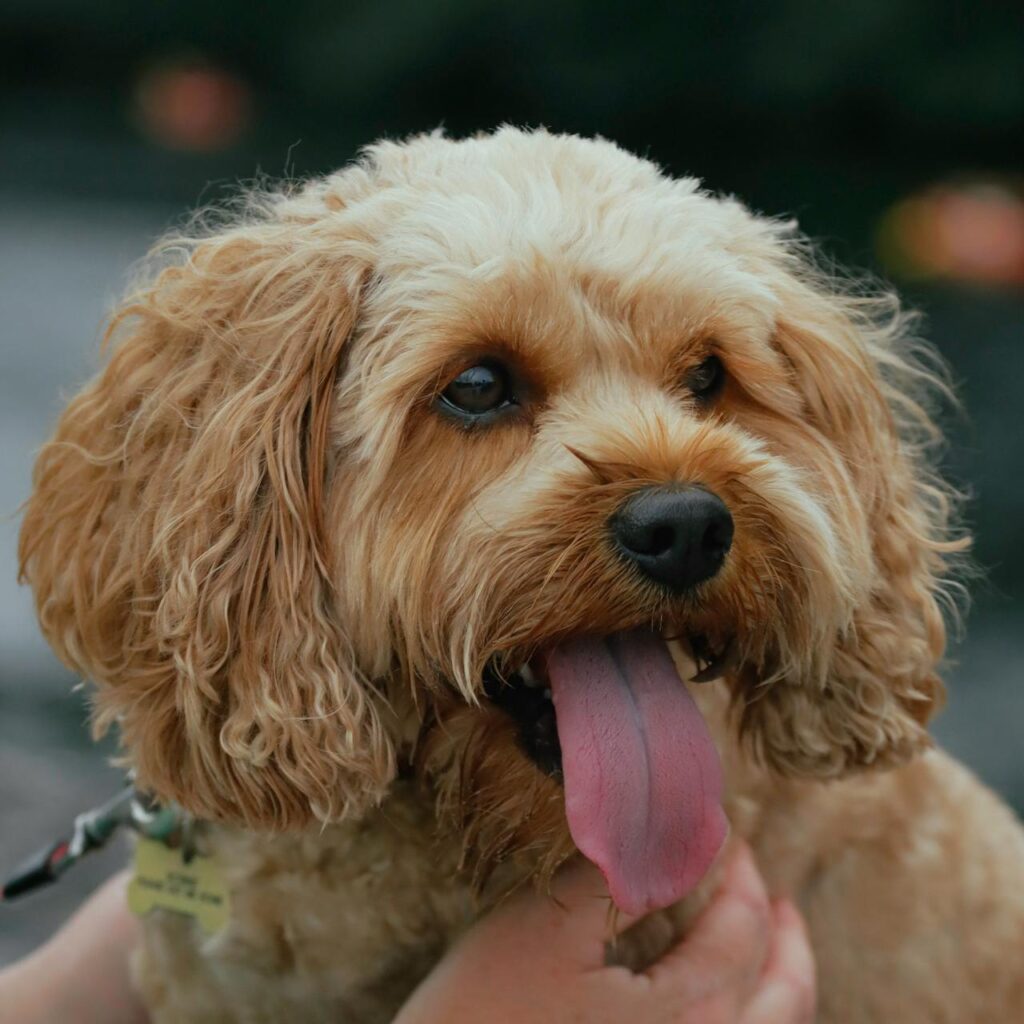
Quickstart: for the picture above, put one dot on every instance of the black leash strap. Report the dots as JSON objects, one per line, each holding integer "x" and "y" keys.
{"x": 40, "y": 869}
{"x": 92, "y": 830}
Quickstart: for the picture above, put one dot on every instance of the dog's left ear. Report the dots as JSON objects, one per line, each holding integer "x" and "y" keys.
{"x": 175, "y": 538}
{"x": 879, "y": 687}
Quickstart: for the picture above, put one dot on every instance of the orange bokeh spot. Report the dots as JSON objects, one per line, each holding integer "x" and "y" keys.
{"x": 972, "y": 232}
{"x": 193, "y": 106}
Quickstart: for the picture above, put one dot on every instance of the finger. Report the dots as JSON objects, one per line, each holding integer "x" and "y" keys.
{"x": 730, "y": 940}
{"x": 786, "y": 993}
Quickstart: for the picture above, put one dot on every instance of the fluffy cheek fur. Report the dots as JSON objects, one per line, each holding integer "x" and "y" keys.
{"x": 492, "y": 794}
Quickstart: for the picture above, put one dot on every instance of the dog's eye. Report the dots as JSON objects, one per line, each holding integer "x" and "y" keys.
{"x": 478, "y": 390}
{"x": 705, "y": 380}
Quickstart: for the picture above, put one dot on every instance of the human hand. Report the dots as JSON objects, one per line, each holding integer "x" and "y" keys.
{"x": 745, "y": 961}
{"x": 82, "y": 973}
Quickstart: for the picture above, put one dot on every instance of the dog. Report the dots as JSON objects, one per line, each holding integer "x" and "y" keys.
{"x": 494, "y": 500}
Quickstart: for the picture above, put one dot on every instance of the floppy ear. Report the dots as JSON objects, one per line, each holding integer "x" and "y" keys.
{"x": 862, "y": 386}
{"x": 175, "y": 541}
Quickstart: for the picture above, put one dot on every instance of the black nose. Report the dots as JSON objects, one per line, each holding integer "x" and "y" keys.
{"x": 677, "y": 536}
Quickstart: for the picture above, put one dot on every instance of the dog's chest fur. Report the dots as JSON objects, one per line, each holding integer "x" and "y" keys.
{"x": 332, "y": 925}
{"x": 893, "y": 872}
{"x": 338, "y": 925}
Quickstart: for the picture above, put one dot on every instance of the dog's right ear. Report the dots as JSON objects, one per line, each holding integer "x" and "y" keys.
{"x": 174, "y": 538}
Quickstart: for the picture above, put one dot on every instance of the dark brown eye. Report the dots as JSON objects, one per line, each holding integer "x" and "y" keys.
{"x": 479, "y": 390}
{"x": 705, "y": 380}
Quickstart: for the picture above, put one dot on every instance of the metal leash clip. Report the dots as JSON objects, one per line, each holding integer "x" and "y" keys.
{"x": 92, "y": 830}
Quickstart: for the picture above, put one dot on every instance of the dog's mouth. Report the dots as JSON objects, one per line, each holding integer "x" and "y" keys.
{"x": 610, "y": 717}
{"x": 525, "y": 696}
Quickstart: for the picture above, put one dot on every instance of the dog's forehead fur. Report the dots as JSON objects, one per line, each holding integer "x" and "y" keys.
{"x": 576, "y": 214}
{"x": 581, "y": 258}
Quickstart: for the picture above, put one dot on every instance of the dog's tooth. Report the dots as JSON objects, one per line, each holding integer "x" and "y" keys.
{"x": 526, "y": 674}
{"x": 547, "y": 693}
{"x": 716, "y": 665}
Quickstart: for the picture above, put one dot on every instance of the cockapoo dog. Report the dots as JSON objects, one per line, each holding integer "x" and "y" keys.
{"x": 493, "y": 500}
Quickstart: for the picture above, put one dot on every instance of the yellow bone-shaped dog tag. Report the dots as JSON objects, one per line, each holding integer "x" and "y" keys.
{"x": 163, "y": 879}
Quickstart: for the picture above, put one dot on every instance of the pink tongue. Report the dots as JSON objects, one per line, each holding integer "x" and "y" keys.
{"x": 643, "y": 784}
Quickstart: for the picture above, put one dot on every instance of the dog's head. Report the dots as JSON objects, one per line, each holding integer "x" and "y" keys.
{"x": 383, "y": 460}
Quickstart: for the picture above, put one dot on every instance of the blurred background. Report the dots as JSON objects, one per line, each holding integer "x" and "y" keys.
{"x": 892, "y": 129}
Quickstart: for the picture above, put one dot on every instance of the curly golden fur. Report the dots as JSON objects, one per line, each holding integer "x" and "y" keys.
{"x": 286, "y": 572}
